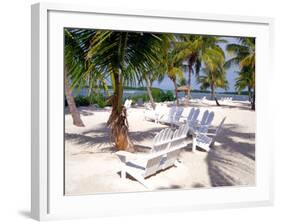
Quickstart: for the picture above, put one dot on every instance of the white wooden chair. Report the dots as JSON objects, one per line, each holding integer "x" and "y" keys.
{"x": 204, "y": 140}
{"x": 169, "y": 116}
{"x": 193, "y": 116}
{"x": 155, "y": 114}
{"x": 204, "y": 124}
{"x": 177, "y": 116}
{"x": 165, "y": 152}
{"x": 172, "y": 117}
{"x": 162, "y": 140}
{"x": 142, "y": 167}
{"x": 177, "y": 143}
{"x": 179, "y": 137}
{"x": 128, "y": 104}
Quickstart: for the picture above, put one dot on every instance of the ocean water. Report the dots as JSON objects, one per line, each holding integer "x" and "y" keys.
{"x": 194, "y": 95}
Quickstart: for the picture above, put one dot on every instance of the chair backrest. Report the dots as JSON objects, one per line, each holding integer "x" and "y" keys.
{"x": 162, "y": 140}
{"x": 160, "y": 109}
{"x": 210, "y": 118}
{"x": 181, "y": 131}
{"x": 218, "y": 131}
{"x": 196, "y": 114}
{"x": 204, "y": 117}
{"x": 204, "y": 126}
{"x": 179, "y": 136}
{"x": 169, "y": 117}
{"x": 191, "y": 113}
{"x": 178, "y": 114}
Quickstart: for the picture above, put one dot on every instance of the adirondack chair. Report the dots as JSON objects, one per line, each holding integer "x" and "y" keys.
{"x": 168, "y": 117}
{"x": 172, "y": 117}
{"x": 128, "y": 103}
{"x": 165, "y": 151}
{"x": 177, "y": 116}
{"x": 154, "y": 162}
{"x": 204, "y": 124}
{"x": 192, "y": 116}
{"x": 191, "y": 113}
{"x": 154, "y": 115}
{"x": 177, "y": 143}
{"x": 204, "y": 141}
{"x": 162, "y": 140}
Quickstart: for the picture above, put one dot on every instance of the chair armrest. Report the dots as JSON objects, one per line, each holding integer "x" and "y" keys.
{"x": 124, "y": 155}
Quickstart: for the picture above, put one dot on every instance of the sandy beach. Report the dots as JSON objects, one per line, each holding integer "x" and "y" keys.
{"x": 92, "y": 167}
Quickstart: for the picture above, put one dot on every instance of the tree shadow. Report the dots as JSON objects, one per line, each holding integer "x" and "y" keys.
{"x": 232, "y": 163}
{"x": 100, "y": 138}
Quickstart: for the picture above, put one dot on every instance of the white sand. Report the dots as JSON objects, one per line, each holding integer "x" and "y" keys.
{"x": 91, "y": 166}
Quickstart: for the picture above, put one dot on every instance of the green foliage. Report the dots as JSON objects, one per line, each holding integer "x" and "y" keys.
{"x": 98, "y": 99}
{"x": 82, "y": 101}
{"x": 168, "y": 96}
{"x": 157, "y": 94}
{"x": 142, "y": 97}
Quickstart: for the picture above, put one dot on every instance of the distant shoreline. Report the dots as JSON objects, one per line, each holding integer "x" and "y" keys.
{"x": 192, "y": 91}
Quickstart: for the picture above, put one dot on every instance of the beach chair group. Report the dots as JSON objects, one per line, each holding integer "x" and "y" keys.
{"x": 164, "y": 154}
{"x": 167, "y": 143}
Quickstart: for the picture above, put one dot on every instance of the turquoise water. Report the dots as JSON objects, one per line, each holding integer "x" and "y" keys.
{"x": 128, "y": 93}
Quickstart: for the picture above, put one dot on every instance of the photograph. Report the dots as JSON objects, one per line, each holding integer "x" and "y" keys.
{"x": 151, "y": 111}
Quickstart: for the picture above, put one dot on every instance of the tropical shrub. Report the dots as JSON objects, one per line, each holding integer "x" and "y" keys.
{"x": 82, "y": 101}
{"x": 168, "y": 96}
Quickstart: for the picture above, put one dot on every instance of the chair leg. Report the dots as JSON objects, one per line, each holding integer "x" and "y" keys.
{"x": 193, "y": 144}
{"x": 123, "y": 172}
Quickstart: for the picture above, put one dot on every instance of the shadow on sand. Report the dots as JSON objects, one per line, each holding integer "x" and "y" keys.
{"x": 233, "y": 159}
{"x": 100, "y": 138}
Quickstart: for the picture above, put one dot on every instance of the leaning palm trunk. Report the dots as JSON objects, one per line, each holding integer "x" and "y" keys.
{"x": 148, "y": 87}
{"x": 71, "y": 103}
{"x": 176, "y": 92}
{"x": 118, "y": 120}
{"x": 249, "y": 93}
{"x": 189, "y": 83}
{"x": 213, "y": 94}
{"x": 253, "y": 101}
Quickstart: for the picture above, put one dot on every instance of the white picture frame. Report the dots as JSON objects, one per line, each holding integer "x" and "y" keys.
{"x": 48, "y": 201}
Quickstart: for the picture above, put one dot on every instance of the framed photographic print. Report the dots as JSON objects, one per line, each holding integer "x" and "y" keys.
{"x": 164, "y": 110}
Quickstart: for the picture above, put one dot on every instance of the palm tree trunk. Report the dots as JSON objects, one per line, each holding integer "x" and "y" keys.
{"x": 253, "y": 101}
{"x": 77, "y": 121}
{"x": 118, "y": 119}
{"x": 148, "y": 87}
{"x": 212, "y": 91}
{"x": 213, "y": 96}
{"x": 249, "y": 93}
{"x": 176, "y": 91}
{"x": 189, "y": 83}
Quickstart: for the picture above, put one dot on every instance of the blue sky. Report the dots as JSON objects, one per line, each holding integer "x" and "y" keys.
{"x": 231, "y": 72}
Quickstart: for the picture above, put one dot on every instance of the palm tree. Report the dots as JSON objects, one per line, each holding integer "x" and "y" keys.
{"x": 213, "y": 79}
{"x": 156, "y": 72}
{"x": 197, "y": 50}
{"x": 244, "y": 56}
{"x": 174, "y": 68}
{"x": 245, "y": 80}
{"x": 190, "y": 47}
{"x": 123, "y": 55}
{"x": 73, "y": 64}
